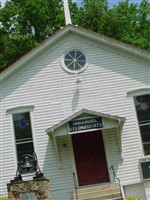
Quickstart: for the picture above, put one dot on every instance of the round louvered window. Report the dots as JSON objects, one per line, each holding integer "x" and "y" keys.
{"x": 74, "y": 61}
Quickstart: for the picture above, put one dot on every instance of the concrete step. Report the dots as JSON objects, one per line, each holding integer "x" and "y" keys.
{"x": 118, "y": 198}
{"x": 99, "y": 192}
{"x": 102, "y": 197}
{"x": 101, "y": 187}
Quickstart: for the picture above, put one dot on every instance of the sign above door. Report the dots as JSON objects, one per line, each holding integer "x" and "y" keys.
{"x": 85, "y": 124}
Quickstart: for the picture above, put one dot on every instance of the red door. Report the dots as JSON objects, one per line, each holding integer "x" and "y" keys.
{"x": 90, "y": 158}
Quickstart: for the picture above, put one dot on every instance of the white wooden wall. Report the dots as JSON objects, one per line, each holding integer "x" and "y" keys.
{"x": 55, "y": 95}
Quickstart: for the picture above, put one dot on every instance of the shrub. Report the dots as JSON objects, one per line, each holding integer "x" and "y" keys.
{"x": 3, "y": 198}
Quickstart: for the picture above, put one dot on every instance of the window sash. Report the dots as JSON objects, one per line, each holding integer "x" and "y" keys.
{"x": 146, "y": 146}
{"x": 24, "y": 148}
{"x": 22, "y": 125}
{"x": 24, "y": 141}
{"x": 23, "y": 135}
{"x": 142, "y": 104}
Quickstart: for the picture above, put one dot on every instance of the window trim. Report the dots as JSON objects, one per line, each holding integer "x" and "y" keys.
{"x": 20, "y": 109}
{"x": 139, "y": 91}
{"x": 135, "y": 93}
{"x": 15, "y": 110}
{"x": 74, "y": 71}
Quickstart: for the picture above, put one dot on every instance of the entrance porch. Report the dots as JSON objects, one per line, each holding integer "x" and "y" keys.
{"x": 92, "y": 149}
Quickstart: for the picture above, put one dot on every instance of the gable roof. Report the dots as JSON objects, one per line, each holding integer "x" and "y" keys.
{"x": 113, "y": 43}
{"x": 84, "y": 111}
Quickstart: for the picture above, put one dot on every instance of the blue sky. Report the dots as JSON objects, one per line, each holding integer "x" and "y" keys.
{"x": 112, "y": 2}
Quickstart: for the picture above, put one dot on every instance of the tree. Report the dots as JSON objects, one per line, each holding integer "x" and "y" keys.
{"x": 126, "y": 22}
{"x": 119, "y": 20}
{"x": 142, "y": 26}
{"x": 131, "y": 23}
{"x": 25, "y": 23}
{"x": 92, "y": 15}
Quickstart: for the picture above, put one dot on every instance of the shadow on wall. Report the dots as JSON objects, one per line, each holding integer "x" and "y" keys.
{"x": 75, "y": 99}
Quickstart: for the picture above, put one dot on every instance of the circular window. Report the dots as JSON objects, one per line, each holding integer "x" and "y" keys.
{"x": 74, "y": 61}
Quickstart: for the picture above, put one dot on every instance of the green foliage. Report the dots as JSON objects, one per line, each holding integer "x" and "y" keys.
{"x": 133, "y": 198}
{"x": 92, "y": 14}
{"x": 3, "y": 198}
{"x": 26, "y": 23}
{"x": 126, "y": 21}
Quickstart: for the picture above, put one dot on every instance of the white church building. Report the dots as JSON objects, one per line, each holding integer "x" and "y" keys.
{"x": 81, "y": 101}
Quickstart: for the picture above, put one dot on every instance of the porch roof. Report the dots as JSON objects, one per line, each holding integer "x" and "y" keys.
{"x": 120, "y": 120}
{"x": 51, "y": 131}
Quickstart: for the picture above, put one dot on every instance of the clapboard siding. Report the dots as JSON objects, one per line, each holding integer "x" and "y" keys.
{"x": 112, "y": 150}
{"x": 55, "y": 95}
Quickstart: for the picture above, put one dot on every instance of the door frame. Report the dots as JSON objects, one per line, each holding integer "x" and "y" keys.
{"x": 74, "y": 162}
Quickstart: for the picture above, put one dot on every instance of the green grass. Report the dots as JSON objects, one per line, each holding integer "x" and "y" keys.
{"x": 133, "y": 198}
{"x": 3, "y": 198}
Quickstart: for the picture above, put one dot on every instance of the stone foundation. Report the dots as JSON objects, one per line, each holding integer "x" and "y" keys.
{"x": 40, "y": 187}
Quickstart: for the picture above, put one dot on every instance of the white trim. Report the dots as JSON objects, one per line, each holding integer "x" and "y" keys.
{"x": 122, "y": 191}
{"x": 137, "y": 127}
{"x": 33, "y": 132}
{"x": 73, "y": 160}
{"x": 137, "y": 122}
{"x": 85, "y": 111}
{"x": 74, "y": 71}
{"x": 132, "y": 94}
{"x": 56, "y": 148}
{"x": 139, "y": 91}
{"x": 107, "y": 156}
{"x": 13, "y": 141}
{"x": 20, "y": 109}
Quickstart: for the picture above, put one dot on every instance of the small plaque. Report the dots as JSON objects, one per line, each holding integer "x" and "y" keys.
{"x": 27, "y": 196}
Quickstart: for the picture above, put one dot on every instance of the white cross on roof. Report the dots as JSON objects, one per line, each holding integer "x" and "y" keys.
{"x": 67, "y": 12}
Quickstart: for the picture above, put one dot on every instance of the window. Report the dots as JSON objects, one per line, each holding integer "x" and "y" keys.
{"x": 74, "y": 61}
{"x": 23, "y": 134}
{"x": 142, "y": 104}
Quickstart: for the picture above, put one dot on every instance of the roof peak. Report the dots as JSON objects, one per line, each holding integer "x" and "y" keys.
{"x": 110, "y": 42}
